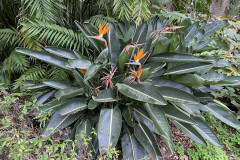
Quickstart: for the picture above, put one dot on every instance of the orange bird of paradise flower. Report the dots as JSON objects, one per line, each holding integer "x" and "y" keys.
{"x": 101, "y": 31}
{"x": 137, "y": 57}
{"x": 136, "y": 75}
{"x": 83, "y": 71}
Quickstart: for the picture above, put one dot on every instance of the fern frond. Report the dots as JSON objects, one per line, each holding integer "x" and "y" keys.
{"x": 173, "y": 16}
{"x": 56, "y": 73}
{"x": 45, "y": 10}
{"x": 52, "y": 34}
{"x": 141, "y": 11}
{"x": 15, "y": 63}
{"x": 34, "y": 73}
{"x": 8, "y": 37}
{"x": 123, "y": 8}
{"x": 100, "y": 19}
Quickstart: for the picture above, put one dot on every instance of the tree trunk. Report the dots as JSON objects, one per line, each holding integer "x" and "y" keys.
{"x": 218, "y": 8}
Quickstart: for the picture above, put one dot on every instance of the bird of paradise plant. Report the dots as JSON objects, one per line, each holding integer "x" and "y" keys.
{"x": 101, "y": 32}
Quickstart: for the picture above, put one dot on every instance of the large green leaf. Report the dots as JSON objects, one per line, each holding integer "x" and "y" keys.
{"x": 114, "y": 45}
{"x": 146, "y": 138}
{"x": 158, "y": 117}
{"x": 62, "y": 52}
{"x": 187, "y": 68}
{"x": 224, "y": 115}
{"x": 213, "y": 27}
{"x": 109, "y": 127}
{"x": 69, "y": 92}
{"x": 140, "y": 34}
{"x": 163, "y": 45}
{"x": 206, "y": 131}
{"x": 190, "y": 131}
{"x": 200, "y": 45}
{"x": 141, "y": 115}
{"x": 103, "y": 56}
{"x": 57, "y": 84}
{"x": 92, "y": 70}
{"x": 189, "y": 79}
{"x": 84, "y": 128}
{"x": 93, "y": 104}
{"x": 174, "y": 113}
{"x": 43, "y": 98}
{"x": 192, "y": 109}
{"x": 129, "y": 33}
{"x": 189, "y": 33}
{"x": 160, "y": 81}
{"x": 176, "y": 58}
{"x": 71, "y": 107}
{"x": 144, "y": 92}
{"x": 59, "y": 122}
{"x": 82, "y": 63}
{"x": 151, "y": 68}
{"x": 87, "y": 34}
{"x": 177, "y": 95}
{"x": 131, "y": 148}
{"x": 126, "y": 113}
{"x": 52, "y": 105}
{"x": 106, "y": 95}
{"x": 46, "y": 57}
{"x": 125, "y": 56}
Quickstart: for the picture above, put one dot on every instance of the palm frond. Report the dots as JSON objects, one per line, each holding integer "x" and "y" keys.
{"x": 100, "y": 19}
{"x": 141, "y": 11}
{"x": 173, "y": 16}
{"x": 56, "y": 73}
{"x": 52, "y": 34}
{"x": 123, "y": 8}
{"x": 34, "y": 73}
{"x": 8, "y": 37}
{"x": 45, "y": 10}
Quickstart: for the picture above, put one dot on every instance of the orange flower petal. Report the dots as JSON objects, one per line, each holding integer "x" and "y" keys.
{"x": 100, "y": 29}
{"x": 139, "y": 72}
{"x": 83, "y": 71}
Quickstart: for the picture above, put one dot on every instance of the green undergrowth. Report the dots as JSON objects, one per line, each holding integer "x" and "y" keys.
{"x": 229, "y": 137}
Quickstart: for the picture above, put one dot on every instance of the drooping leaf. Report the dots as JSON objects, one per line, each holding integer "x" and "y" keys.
{"x": 69, "y": 92}
{"x": 109, "y": 127}
{"x": 205, "y": 131}
{"x": 71, "y": 107}
{"x": 159, "y": 81}
{"x": 82, "y": 63}
{"x": 192, "y": 109}
{"x": 103, "y": 56}
{"x": 177, "y": 95}
{"x": 190, "y": 131}
{"x": 62, "y": 52}
{"x": 213, "y": 27}
{"x": 46, "y": 57}
{"x": 174, "y": 113}
{"x": 158, "y": 117}
{"x": 114, "y": 45}
{"x": 92, "y": 70}
{"x": 87, "y": 34}
{"x": 131, "y": 148}
{"x": 43, "y": 98}
{"x": 57, "y": 84}
{"x": 146, "y": 138}
{"x": 126, "y": 113}
{"x": 142, "y": 116}
{"x": 59, "y": 122}
{"x": 93, "y": 104}
{"x": 187, "y": 68}
{"x": 52, "y": 105}
{"x": 144, "y": 92}
{"x": 151, "y": 68}
{"x": 224, "y": 115}
{"x": 189, "y": 79}
{"x": 176, "y": 58}
{"x": 106, "y": 95}
{"x": 140, "y": 34}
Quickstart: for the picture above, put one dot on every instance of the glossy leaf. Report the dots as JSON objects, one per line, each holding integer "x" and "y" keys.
{"x": 189, "y": 79}
{"x": 126, "y": 113}
{"x": 53, "y": 105}
{"x": 146, "y": 138}
{"x": 79, "y": 63}
{"x": 92, "y": 70}
{"x": 109, "y": 127}
{"x": 106, "y": 95}
{"x": 141, "y": 115}
{"x": 57, "y": 84}
{"x": 158, "y": 117}
{"x": 83, "y": 127}
{"x": 144, "y": 92}
{"x": 159, "y": 81}
{"x": 71, "y": 107}
{"x": 59, "y": 122}
{"x": 62, "y": 52}
{"x": 69, "y": 92}
{"x": 125, "y": 56}
{"x": 131, "y": 148}
{"x": 87, "y": 34}
{"x": 193, "y": 109}
{"x": 176, "y": 58}
{"x": 206, "y": 131}
{"x": 114, "y": 45}
{"x": 174, "y": 113}
{"x": 103, "y": 56}
{"x": 46, "y": 57}
{"x": 93, "y": 104}
{"x": 43, "y": 98}
{"x": 140, "y": 34}
{"x": 224, "y": 115}
{"x": 213, "y": 27}
{"x": 190, "y": 131}
{"x": 177, "y": 95}
{"x": 151, "y": 68}
{"x": 187, "y": 68}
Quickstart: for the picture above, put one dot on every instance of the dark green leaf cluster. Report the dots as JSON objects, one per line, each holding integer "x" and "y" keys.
{"x": 127, "y": 106}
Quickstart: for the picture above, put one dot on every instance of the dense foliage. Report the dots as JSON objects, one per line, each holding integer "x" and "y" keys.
{"x": 136, "y": 80}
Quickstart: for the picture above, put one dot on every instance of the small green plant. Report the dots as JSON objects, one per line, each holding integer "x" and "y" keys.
{"x": 179, "y": 149}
